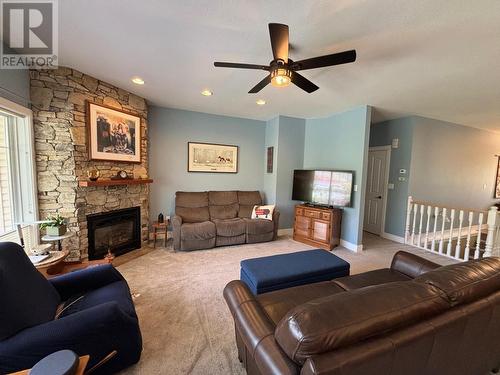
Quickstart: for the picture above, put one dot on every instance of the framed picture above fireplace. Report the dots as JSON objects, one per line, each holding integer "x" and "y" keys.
{"x": 214, "y": 158}
{"x": 113, "y": 135}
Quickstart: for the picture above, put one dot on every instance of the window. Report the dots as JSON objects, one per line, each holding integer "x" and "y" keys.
{"x": 17, "y": 186}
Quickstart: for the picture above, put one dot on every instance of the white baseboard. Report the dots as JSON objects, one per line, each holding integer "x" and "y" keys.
{"x": 392, "y": 237}
{"x": 350, "y": 246}
{"x": 285, "y": 232}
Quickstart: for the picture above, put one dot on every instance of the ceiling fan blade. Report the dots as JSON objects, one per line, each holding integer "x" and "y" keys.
{"x": 279, "y": 41}
{"x": 327, "y": 60}
{"x": 259, "y": 86}
{"x": 303, "y": 83}
{"x": 240, "y": 66}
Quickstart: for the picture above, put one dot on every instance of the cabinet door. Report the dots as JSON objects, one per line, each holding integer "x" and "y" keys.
{"x": 302, "y": 226}
{"x": 321, "y": 230}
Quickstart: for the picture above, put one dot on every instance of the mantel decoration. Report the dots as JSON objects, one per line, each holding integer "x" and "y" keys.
{"x": 113, "y": 135}
{"x": 214, "y": 158}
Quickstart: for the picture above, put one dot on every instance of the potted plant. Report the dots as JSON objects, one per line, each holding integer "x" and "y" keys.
{"x": 54, "y": 226}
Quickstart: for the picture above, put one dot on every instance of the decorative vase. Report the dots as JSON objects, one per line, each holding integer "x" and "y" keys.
{"x": 56, "y": 231}
{"x": 161, "y": 219}
{"x": 93, "y": 174}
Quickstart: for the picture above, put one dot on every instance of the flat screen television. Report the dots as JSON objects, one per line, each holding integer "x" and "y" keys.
{"x": 323, "y": 187}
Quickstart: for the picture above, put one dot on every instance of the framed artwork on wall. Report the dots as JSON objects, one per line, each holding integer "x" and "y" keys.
{"x": 497, "y": 182}
{"x": 113, "y": 135}
{"x": 270, "y": 155}
{"x": 212, "y": 158}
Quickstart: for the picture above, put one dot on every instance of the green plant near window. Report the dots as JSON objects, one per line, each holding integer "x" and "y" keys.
{"x": 55, "y": 225}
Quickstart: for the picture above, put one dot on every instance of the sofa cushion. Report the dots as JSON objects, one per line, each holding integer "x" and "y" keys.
{"x": 26, "y": 298}
{"x": 328, "y": 323}
{"x": 259, "y": 226}
{"x": 247, "y": 200}
{"x": 229, "y": 211}
{"x": 465, "y": 282}
{"x": 222, "y": 198}
{"x": 369, "y": 278}
{"x": 230, "y": 227}
{"x": 193, "y": 215}
{"x": 279, "y": 302}
{"x": 198, "y": 231}
{"x": 192, "y": 207}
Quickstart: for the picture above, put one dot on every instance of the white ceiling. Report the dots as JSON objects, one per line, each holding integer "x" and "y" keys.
{"x": 435, "y": 58}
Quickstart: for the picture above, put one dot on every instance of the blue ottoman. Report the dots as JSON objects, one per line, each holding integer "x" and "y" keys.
{"x": 286, "y": 270}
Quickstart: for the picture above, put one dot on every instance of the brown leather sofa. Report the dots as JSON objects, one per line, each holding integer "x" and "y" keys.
{"x": 414, "y": 318}
{"x": 219, "y": 218}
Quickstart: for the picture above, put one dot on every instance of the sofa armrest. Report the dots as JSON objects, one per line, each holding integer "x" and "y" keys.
{"x": 411, "y": 265}
{"x": 96, "y": 331}
{"x": 257, "y": 331}
{"x": 82, "y": 281}
{"x": 176, "y": 231}
{"x": 276, "y": 221}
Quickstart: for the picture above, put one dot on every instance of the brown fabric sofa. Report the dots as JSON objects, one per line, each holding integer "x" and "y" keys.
{"x": 414, "y": 318}
{"x": 219, "y": 218}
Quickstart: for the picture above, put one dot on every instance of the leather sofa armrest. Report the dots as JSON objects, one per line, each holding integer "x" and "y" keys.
{"x": 276, "y": 221}
{"x": 257, "y": 331}
{"x": 176, "y": 231}
{"x": 411, "y": 265}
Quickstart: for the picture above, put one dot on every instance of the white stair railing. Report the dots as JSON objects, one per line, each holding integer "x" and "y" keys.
{"x": 453, "y": 232}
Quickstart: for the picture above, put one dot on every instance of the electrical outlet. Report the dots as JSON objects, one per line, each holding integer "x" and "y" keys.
{"x": 402, "y": 179}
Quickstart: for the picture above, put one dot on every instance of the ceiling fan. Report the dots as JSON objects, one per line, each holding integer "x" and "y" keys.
{"x": 282, "y": 70}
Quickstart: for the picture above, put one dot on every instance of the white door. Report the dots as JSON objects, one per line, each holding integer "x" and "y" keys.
{"x": 376, "y": 190}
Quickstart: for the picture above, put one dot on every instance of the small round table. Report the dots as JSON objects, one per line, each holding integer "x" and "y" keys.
{"x": 58, "y": 239}
{"x": 53, "y": 264}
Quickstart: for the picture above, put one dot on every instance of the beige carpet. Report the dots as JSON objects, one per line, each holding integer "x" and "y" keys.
{"x": 186, "y": 326}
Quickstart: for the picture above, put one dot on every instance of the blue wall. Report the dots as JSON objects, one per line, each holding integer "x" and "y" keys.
{"x": 382, "y": 134}
{"x": 290, "y": 156}
{"x": 341, "y": 142}
{"x": 169, "y": 132}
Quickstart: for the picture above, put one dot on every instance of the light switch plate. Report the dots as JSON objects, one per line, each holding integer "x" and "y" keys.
{"x": 390, "y": 186}
{"x": 355, "y": 188}
{"x": 402, "y": 179}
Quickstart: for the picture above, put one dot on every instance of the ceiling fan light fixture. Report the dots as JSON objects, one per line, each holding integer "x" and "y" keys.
{"x": 281, "y": 77}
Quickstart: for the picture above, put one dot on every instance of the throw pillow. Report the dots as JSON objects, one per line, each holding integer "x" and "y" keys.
{"x": 263, "y": 212}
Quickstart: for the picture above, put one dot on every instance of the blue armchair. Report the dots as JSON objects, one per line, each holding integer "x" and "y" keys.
{"x": 88, "y": 311}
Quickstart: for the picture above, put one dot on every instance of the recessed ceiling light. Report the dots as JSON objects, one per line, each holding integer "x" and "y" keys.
{"x": 138, "y": 80}
{"x": 207, "y": 93}
{"x": 260, "y": 102}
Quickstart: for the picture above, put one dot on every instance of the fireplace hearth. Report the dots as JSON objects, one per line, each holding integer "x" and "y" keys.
{"x": 118, "y": 231}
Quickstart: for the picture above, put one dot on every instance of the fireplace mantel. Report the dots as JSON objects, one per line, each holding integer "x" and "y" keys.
{"x": 109, "y": 182}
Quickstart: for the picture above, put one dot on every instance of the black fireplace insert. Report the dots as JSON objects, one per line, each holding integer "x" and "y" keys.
{"x": 118, "y": 231}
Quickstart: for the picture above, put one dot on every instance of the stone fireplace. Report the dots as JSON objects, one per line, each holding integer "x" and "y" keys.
{"x": 59, "y": 99}
{"x": 118, "y": 231}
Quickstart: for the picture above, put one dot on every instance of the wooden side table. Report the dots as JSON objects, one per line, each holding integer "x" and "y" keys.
{"x": 53, "y": 264}
{"x": 160, "y": 229}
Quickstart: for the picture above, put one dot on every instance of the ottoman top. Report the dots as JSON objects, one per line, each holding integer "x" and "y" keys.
{"x": 282, "y": 268}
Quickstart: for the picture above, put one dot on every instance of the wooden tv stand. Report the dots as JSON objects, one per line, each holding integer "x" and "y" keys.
{"x": 317, "y": 226}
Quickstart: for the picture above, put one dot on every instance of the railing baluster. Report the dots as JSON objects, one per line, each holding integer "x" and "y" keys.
{"x": 426, "y": 239}
{"x": 408, "y": 218}
{"x": 452, "y": 219}
{"x": 492, "y": 224}
{"x": 420, "y": 225}
{"x": 441, "y": 240}
{"x": 477, "y": 253}
{"x": 436, "y": 215}
{"x": 415, "y": 209}
{"x": 467, "y": 244}
{"x": 459, "y": 238}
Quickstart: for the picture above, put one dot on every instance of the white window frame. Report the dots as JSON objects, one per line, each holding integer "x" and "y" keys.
{"x": 25, "y": 113}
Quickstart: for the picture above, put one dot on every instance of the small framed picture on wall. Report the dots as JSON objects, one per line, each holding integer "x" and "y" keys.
{"x": 270, "y": 160}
